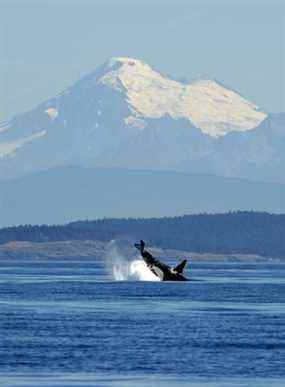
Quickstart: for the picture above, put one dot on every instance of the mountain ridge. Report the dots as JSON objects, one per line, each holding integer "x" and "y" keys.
{"x": 61, "y": 195}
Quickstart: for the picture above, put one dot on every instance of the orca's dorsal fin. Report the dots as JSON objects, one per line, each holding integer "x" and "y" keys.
{"x": 180, "y": 267}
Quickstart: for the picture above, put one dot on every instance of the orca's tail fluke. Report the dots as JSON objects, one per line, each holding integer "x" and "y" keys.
{"x": 140, "y": 246}
{"x": 180, "y": 267}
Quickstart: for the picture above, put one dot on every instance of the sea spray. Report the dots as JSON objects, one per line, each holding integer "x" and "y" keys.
{"x": 126, "y": 266}
{"x": 139, "y": 271}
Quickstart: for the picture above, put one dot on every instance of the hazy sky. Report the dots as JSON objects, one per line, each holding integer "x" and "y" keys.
{"x": 46, "y": 45}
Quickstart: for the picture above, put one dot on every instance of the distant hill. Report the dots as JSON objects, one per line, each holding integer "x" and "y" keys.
{"x": 231, "y": 233}
{"x": 61, "y": 195}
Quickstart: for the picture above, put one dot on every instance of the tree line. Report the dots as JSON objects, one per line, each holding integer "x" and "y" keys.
{"x": 241, "y": 232}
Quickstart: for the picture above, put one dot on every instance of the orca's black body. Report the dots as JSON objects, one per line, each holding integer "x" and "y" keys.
{"x": 164, "y": 272}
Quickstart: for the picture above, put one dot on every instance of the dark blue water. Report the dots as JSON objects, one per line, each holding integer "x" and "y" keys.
{"x": 69, "y": 323}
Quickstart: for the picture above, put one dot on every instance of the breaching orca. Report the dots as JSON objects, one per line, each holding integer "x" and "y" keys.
{"x": 164, "y": 272}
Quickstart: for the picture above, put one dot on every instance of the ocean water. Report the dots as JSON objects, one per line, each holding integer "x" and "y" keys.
{"x": 94, "y": 323}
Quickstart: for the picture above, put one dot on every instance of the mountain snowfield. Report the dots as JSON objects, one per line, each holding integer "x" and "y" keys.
{"x": 125, "y": 114}
{"x": 208, "y": 105}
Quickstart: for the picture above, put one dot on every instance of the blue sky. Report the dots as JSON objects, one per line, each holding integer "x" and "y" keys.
{"x": 47, "y": 45}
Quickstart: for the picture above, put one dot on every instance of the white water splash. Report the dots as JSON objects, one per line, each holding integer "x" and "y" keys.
{"x": 126, "y": 268}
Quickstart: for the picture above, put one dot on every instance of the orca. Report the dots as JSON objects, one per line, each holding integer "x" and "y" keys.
{"x": 162, "y": 271}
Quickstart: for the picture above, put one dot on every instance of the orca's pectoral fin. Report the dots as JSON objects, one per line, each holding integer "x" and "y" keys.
{"x": 180, "y": 267}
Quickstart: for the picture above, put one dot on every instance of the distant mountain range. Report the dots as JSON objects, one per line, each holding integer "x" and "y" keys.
{"x": 125, "y": 114}
{"x": 61, "y": 195}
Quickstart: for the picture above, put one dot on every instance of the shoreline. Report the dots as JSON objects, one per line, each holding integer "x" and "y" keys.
{"x": 88, "y": 250}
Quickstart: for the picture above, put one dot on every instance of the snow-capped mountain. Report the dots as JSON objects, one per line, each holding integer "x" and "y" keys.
{"x": 208, "y": 105}
{"x": 127, "y": 114}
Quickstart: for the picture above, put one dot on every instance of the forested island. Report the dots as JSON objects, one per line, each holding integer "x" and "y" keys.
{"x": 243, "y": 232}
